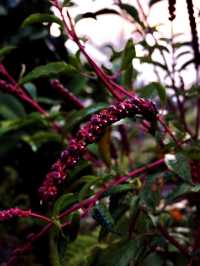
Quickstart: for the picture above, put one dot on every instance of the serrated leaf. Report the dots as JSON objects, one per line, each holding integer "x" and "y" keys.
{"x": 63, "y": 202}
{"x": 50, "y": 70}
{"x": 179, "y": 164}
{"x": 41, "y": 18}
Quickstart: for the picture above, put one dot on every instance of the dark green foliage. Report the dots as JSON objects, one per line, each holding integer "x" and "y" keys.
{"x": 115, "y": 208}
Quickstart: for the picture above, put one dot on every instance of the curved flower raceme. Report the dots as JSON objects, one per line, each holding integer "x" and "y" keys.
{"x": 13, "y": 212}
{"x": 90, "y": 133}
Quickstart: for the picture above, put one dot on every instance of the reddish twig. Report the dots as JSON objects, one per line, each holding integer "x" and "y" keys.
{"x": 68, "y": 96}
{"x": 11, "y": 86}
{"x": 173, "y": 241}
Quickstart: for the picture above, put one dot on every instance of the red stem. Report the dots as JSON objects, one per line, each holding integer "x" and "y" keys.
{"x": 20, "y": 92}
{"x": 173, "y": 241}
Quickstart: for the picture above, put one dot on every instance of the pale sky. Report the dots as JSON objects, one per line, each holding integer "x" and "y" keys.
{"x": 115, "y": 30}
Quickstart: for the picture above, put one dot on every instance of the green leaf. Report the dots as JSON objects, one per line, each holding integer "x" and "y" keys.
{"x": 148, "y": 60}
{"x": 153, "y": 259}
{"x": 153, "y": 89}
{"x": 122, "y": 253}
{"x": 31, "y": 89}
{"x": 128, "y": 75}
{"x": 132, "y": 11}
{"x": 41, "y": 18}
{"x": 179, "y": 164}
{"x": 104, "y": 146}
{"x": 50, "y": 70}
{"x": 76, "y": 117}
{"x": 86, "y": 190}
{"x": 186, "y": 64}
{"x": 67, "y": 3}
{"x": 102, "y": 215}
{"x": 34, "y": 119}
{"x": 63, "y": 202}
{"x": 152, "y": 2}
{"x": 6, "y": 50}
{"x": 10, "y": 107}
{"x": 128, "y": 55}
{"x": 41, "y": 137}
{"x": 120, "y": 189}
{"x": 94, "y": 15}
{"x": 148, "y": 195}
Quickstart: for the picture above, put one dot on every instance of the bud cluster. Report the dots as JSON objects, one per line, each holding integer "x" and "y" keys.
{"x": 13, "y": 212}
{"x": 90, "y": 133}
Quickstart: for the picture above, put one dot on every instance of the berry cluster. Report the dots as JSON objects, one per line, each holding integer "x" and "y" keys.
{"x": 13, "y": 212}
{"x": 90, "y": 133}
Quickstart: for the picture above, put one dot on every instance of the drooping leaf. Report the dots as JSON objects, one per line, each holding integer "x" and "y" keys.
{"x": 41, "y": 18}
{"x": 148, "y": 60}
{"x": 182, "y": 54}
{"x": 50, "y": 70}
{"x": 94, "y": 15}
{"x": 186, "y": 64}
{"x": 179, "y": 164}
{"x": 152, "y": 2}
{"x": 132, "y": 11}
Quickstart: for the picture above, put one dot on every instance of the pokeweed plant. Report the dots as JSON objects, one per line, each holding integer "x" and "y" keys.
{"x": 112, "y": 183}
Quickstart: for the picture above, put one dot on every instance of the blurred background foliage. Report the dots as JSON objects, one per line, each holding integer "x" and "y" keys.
{"x": 29, "y": 146}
